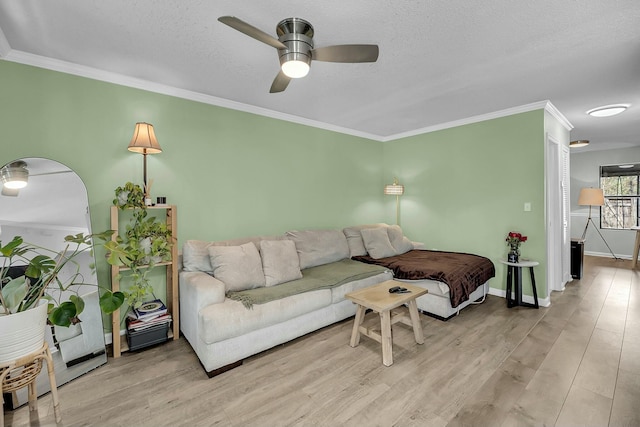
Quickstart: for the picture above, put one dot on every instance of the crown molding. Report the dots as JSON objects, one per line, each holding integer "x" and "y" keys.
{"x": 120, "y": 79}
{"x": 551, "y": 109}
{"x": 540, "y": 105}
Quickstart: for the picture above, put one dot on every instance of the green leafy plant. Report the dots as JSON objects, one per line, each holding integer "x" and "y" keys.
{"x": 146, "y": 242}
{"x": 41, "y": 279}
{"x": 129, "y": 196}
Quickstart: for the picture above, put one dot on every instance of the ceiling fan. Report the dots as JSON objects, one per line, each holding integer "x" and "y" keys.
{"x": 15, "y": 176}
{"x": 296, "y": 50}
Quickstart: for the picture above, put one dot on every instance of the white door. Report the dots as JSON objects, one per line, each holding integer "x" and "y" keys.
{"x": 565, "y": 177}
{"x": 555, "y": 216}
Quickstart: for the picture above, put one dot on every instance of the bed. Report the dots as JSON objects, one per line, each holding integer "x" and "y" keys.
{"x": 454, "y": 280}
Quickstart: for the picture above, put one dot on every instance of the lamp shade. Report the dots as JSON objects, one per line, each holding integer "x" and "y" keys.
{"x": 394, "y": 189}
{"x": 591, "y": 197}
{"x": 144, "y": 140}
{"x": 15, "y": 175}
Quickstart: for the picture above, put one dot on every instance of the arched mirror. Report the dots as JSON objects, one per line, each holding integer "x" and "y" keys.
{"x": 52, "y": 205}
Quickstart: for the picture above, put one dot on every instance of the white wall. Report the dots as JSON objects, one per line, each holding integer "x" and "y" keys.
{"x": 585, "y": 172}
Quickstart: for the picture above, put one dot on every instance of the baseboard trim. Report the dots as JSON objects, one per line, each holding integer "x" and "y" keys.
{"x": 607, "y": 255}
{"x": 502, "y": 293}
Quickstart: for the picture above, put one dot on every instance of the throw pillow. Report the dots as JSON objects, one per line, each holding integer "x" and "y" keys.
{"x": 399, "y": 241}
{"x": 238, "y": 267}
{"x": 354, "y": 238}
{"x": 318, "y": 247}
{"x": 376, "y": 240}
{"x": 195, "y": 256}
{"x": 280, "y": 261}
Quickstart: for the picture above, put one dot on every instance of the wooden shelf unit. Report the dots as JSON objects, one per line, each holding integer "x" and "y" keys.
{"x": 172, "y": 302}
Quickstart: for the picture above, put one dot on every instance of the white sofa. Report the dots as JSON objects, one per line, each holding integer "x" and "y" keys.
{"x": 223, "y": 331}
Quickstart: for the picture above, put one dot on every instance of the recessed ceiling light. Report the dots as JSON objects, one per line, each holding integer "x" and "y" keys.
{"x": 579, "y": 143}
{"x": 608, "y": 110}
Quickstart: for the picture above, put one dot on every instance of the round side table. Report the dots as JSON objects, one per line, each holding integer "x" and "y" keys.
{"x": 514, "y": 283}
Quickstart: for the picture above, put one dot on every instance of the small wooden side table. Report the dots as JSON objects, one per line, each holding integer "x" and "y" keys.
{"x": 378, "y": 299}
{"x": 514, "y": 282}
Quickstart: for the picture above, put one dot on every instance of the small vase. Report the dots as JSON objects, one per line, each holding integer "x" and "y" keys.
{"x": 514, "y": 254}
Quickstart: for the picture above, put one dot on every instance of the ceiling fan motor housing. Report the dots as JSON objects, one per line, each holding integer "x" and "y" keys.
{"x": 297, "y": 35}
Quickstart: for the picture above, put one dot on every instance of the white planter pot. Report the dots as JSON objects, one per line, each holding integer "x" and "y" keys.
{"x": 22, "y": 333}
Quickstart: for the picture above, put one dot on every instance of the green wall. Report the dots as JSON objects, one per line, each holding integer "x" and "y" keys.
{"x": 232, "y": 174}
{"x": 465, "y": 189}
{"x": 235, "y": 174}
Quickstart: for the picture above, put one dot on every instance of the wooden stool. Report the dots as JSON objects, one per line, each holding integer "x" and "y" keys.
{"x": 23, "y": 372}
{"x": 378, "y": 299}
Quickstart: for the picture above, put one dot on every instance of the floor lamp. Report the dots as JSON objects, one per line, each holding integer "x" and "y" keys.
{"x": 593, "y": 197}
{"x": 397, "y": 190}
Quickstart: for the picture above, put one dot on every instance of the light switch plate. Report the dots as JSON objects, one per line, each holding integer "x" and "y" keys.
{"x": 527, "y": 207}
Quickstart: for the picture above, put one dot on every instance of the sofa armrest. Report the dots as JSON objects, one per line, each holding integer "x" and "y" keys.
{"x": 418, "y": 245}
{"x": 199, "y": 290}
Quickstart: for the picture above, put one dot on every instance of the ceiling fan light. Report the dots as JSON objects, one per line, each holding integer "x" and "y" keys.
{"x": 295, "y": 69}
{"x": 16, "y": 184}
{"x": 15, "y": 175}
{"x": 579, "y": 143}
{"x": 608, "y": 110}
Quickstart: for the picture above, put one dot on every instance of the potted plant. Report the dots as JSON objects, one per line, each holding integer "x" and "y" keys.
{"x": 32, "y": 290}
{"x": 145, "y": 243}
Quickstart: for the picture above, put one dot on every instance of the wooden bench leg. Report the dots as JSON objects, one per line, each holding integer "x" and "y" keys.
{"x": 355, "y": 333}
{"x": 415, "y": 321}
{"x": 387, "y": 339}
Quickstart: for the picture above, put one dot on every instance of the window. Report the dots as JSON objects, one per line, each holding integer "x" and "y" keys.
{"x": 620, "y": 184}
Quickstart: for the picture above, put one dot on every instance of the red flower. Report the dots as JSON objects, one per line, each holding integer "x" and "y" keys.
{"x": 514, "y": 238}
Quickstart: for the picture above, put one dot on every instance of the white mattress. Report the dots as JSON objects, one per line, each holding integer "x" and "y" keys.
{"x": 437, "y": 302}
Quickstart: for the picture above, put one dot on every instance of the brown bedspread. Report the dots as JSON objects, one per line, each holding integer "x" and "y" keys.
{"x": 463, "y": 273}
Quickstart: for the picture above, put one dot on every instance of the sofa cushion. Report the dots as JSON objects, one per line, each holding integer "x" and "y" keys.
{"x": 280, "y": 261}
{"x": 195, "y": 253}
{"x": 377, "y": 243}
{"x": 195, "y": 256}
{"x": 238, "y": 267}
{"x": 401, "y": 244}
{"x": 354, "y": 238}
{"x": 318, "y": 247}
{"x": 219, "y": 322}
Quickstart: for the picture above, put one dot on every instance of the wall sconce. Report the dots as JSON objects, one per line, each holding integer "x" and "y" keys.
{"x": 397, "y": 190}
{"x": 144, "y": 142}
{"x": 15, "y": 175}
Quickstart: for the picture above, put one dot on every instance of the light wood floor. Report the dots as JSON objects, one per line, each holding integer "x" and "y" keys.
{"x": 575, "y": 363}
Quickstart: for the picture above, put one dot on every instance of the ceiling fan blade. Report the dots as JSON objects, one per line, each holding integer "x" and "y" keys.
{"x": 280, "y": 83}
{"x": 346, "y": 53}
{"x": 251, "y": 31}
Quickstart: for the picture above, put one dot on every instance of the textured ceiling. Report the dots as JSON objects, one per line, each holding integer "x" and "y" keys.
{"x": 440, "y": 61}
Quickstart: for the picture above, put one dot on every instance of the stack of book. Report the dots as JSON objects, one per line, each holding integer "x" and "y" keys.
{"x": 149, "y": 314}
